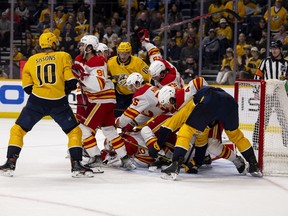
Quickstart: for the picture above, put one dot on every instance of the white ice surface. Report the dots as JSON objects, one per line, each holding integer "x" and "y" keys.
{"x": 42, "y": 186}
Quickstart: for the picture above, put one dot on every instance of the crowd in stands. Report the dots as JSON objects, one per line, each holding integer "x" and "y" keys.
{"x": 110, "y": 26}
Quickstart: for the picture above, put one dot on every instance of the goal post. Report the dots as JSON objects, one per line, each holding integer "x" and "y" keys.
{"x": 263, "y": 118}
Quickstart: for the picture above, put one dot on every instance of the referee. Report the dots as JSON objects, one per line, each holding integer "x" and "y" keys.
{"x": 273, "y": 67}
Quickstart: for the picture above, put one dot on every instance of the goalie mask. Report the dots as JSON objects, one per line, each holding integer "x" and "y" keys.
{"x": 134, "y": 81}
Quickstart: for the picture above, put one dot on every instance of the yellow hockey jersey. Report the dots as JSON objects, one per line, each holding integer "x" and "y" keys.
{"x": 47, "y": 72}
{"x": 116, "y": 69}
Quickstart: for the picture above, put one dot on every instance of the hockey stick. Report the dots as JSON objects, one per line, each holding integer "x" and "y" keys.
{"x": 233, "y": 13}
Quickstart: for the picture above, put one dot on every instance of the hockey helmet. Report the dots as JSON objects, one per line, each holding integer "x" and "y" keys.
{"x": 90, "y": 40}
{"x": 102, "y": 47}
{"x": 124, "y": 47}
{"x": 156, "y": 68}
{"x": 167, "y": 96}
{"x": 276, "y": 44}
{"x": 47, "y": 39}
{"x": 134, "y": 80}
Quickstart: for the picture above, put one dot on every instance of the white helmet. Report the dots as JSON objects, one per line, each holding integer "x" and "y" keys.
{"x": 156, "y": 68}
{"x": 90, "y": 40}
{"x": 102, "y": 47}
{"x": 165, "y": 95}
{"x": 134, "y": 80}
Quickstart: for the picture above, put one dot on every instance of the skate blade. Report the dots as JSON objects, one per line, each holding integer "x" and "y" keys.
{"x": 170, "y": 176}
{"x": 97, "y": 169}
{"x": 8, "y": 173}
{"x": 152, "y": 168}
{"x": 77, "y": 174}
{"x": 256, "y": 174}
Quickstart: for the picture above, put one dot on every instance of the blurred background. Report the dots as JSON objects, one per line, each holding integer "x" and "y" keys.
{"x": 208, "y": 43}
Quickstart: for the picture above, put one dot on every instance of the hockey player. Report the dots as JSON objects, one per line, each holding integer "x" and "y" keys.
{"x": 120, "y": 67}
{"x": 47, "y": 78}
{"x": 98, "y": 94}
{"x": 211, "y": 104}
{"x": 162, "y": 72}
{"x": 103, "y": 50}
{"x": 144, "y": 104}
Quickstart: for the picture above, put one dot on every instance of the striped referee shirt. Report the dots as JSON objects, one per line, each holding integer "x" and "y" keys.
{"x": 271, "y": 68}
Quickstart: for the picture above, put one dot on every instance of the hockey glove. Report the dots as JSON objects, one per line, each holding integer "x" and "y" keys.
{"x": 153, "y": 150}
{"x": 122, "y": 78}
{"x": 143, "y": 35}
{"x": 79, "y": 71}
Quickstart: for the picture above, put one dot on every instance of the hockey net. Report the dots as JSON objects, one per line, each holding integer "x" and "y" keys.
{"x": 263, "y": 118}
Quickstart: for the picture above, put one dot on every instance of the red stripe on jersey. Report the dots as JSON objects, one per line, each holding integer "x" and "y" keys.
{"x": 101, "y": 82}
{"x": 153, "y": 51}
{"x": 96, "y": 61}
{"x": 198, "y": 83}
{"x": 107, "y": 94}
{"x": 226, "y": 152}
{"x": 145, "y": 159}
{"x": 131, "y": 113}
{"x": 180, "y": 97}
{"x": 117, "y": 142}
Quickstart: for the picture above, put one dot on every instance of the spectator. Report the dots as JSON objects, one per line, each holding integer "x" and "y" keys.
{"x": 244, "y": 59}
{"x": 256, "y": 31}
{"x": 3, "y": 75}
{"x": 281, "y": 35}
{"x": 114, "y": 26}
{"x": 23, "y": 13}
{"x": 173, "y": 50}
{"x": 17, "y": 56}
{"x": 278, "y": 16}
{"x": 174, "y": 16}
{"x": 241, "y": 11}
{"x": 211, "y": 47}
{"x": 224, "y": 34}
{"x": 158, "y": 43}
{"x": 82, "y": 26}
{"x": 27, "y": 49}
{"x": 99, "y": 30}
{"x": 156, "y": 23}
{"x": 67, "y": 40}
{"x": 215, "y": 6}
{"x": 225, "y": 75}
{"x": 252, "y": 65}
{"x": 189, "y": 50}
{"x": 189, "y": 70}
{"x": 60, "y": 17}
{"x": 44, "y": 24}
{"x": 110, "y": 35}
{"x": 4, "y": 31}
{"x": 240, "y": 45}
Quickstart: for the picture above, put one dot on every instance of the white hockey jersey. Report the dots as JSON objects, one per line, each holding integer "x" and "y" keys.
{"x": 144, "y": 106}
{"x": 96, "y": 86}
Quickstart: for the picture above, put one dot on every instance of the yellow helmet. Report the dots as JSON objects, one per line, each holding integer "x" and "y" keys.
{"x": 124, "y": 47}
{"x": 46, "y": 40}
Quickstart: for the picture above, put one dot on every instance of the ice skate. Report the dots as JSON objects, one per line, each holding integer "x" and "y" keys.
{"x": 95, "y": 163}
{"x": 127, "y": 163}
{"x": 240, "y": 165}
{"x": 253, "y": 169}
{"x": 80, "y": 171}
{"x": 8, "y": 168}
{"x": 207, "y": 161}
{"x": 171, "y": 172}
{"x": 158, "y": 164}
